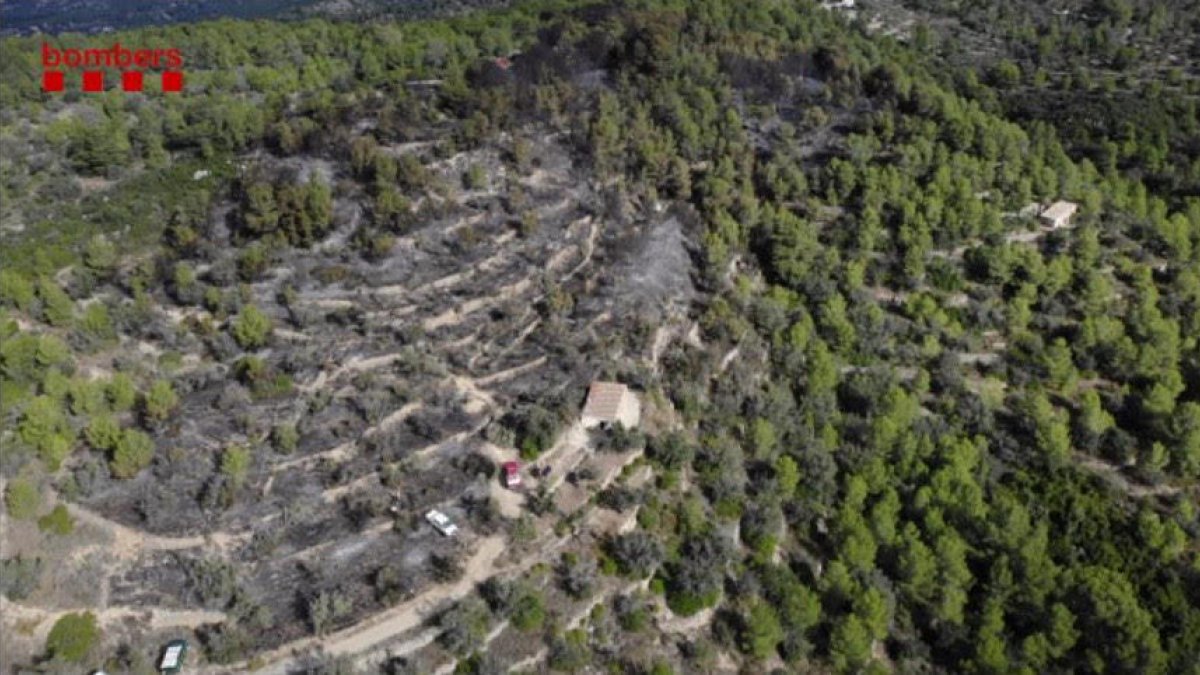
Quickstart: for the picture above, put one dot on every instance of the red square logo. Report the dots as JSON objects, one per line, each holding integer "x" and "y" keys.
{"x": 93, "y": 80}
{"x": 131, "y": 80}
{"x": 172, "y": 80}
{"x": 52, "y": 80}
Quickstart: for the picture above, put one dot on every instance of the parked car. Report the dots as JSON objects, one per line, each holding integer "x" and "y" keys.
{"x": 441, "y": 522}
{"x": 511, "y": 475}
{"x": 172, "y": 658}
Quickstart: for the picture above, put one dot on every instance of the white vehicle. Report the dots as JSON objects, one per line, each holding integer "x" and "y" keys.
{"x": 442, "y": 522}
{"x": 172, "y": 658}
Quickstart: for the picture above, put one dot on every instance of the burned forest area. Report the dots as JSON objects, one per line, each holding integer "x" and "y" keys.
{"x": 631, "y": 336}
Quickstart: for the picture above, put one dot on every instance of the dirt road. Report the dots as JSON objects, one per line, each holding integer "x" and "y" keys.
{"x": 1113, "y": 475}
{"x": 155, "y": 618}
{"x": 128, "y": 543}
{"x": 373, "y": 633}
{"x": 365, "y": 636}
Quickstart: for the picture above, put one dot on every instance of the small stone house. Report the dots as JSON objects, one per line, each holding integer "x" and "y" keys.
{"x": 611, "y": 402}
{"x": 1058, "y": 214}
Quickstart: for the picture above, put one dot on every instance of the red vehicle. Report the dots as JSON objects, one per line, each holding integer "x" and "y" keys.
{"x": 511, "y": 475}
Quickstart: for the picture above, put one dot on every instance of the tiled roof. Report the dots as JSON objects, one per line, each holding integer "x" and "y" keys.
{"x": 604, "y": 400}
{"x": 1060, "y": 210}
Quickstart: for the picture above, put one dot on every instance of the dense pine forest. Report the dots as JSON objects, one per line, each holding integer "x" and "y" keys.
{"x": 913, "y": 430}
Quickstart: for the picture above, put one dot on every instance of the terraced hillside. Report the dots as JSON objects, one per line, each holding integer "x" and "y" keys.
{"x": 917, "y": 372}
{"x": 391, "y": 372}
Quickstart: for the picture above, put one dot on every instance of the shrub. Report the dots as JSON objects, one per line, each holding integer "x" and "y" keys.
{"x": 671, "y": 450}
{"x": 122, "y": 393}
{"x": 535, "y": 429}
{"x": 212, "y": 299}
{"x": 57, "y": 308}
{"x": 326, "y": 609}
{"x": 58, "y": 521}
{"x": 528, "y": 224}
{"x": 16, "y": 290}
{"x": 100, "y": 254}
{"x": 688, "y": 603}
{"x": 44, "y": 426}
{"x": 51, "y": 352}
{"x": 170, "y": 362}
{"x": 445, "y": 567}
{"x": 528, "y": 612}
{"x": 25, "y": 358}
{"x": 22, "y": 499}
{"x": 464, "y": 626}
{"x": 54, "y": 451}
{"x": 577, "y": 576}
{"x": 252, "y": 263}
{"x": 103, "y": 432}
{"x": 19, "y": 577}
{"x": 636, "y": 553}
{"x": 619, "y": 439}
{"x": 380, "y": 246}
{"x": 392, "y": 585}
{"x": 1006, "y": 74}
{"x": 249, "y": 369}
{"x": 97, "y": 326}
{"x": 214, "y": 581}
{"x": 227, "y": 642}
{"x": 43, "y": 418}
{"x": 87, "y": 397}
{"x": 72, "y": 637}
{"x": 524, "y": 530}
{"x": 133, "y": 453}
{"x": 159, "y": 401}
{"x": 56, "y": 385}
{"x": 284, "y": 438}
{"x": 475, "y": 178}
{"x": 183, "y": 283}
{"x": 569, "y": 653}
{"x": 251, "y": 328}
{"x": 235, "y": 464}
{"x": 760, "y": 631}
{"x": 633, "y": 614}
{"x": 263, "y": 380}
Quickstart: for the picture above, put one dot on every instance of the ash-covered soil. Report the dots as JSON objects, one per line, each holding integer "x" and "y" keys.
{"x": 398, "y": 366}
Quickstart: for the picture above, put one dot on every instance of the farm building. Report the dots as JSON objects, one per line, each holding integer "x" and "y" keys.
{"x": 1058, "y": 214}
{"x": 611, "y": 402}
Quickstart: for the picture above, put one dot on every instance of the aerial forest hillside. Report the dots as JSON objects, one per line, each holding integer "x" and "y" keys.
{"x": 892, "y": 419}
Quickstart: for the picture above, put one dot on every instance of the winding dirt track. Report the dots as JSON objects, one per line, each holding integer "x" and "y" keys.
{"x": 156, "y": 618}
{"x": 1112, "y": 473}
{"x": 364, "y": 636}
{"x": 367, "y": 636}
{"x": 128, "y": 543}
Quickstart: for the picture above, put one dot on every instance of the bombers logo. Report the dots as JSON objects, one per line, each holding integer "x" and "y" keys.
{"x": 131, "y": 62}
